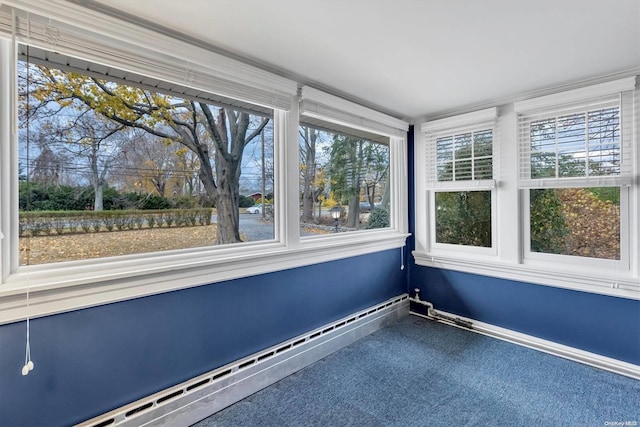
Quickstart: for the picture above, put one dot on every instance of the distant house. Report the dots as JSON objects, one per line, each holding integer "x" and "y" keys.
{"x": 255, "y": 196}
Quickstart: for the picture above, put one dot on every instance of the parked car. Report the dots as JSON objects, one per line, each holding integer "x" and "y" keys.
{"x": 255, "y": 209}
{"x": 365, "y": 207}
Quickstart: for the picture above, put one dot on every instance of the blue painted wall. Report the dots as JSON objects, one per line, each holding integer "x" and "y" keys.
{"x": 599, "y": 324}
{"x": 94, "y": 360}
{"x": 91, "y": 361}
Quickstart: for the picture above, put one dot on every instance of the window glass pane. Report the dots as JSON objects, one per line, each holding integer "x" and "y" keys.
{"x": 463, "y": 218}
{"x": 482, "y": 142}
{"x": 444, "y": 153}
{"x": 340, "y": 170}
{"x": 462, "y": 170}
{"x": 543, "y": 148}
{"x": 604, "y": 142}
{"x": 462, "y": 146}
{"x": 111, "y": 169}
{"x": 483, "y": 168}
{"x": 576, "y": 221}
{"x": 576, "y": 145}
{"x": 465, "y": 157}
{"x": 571, "y": 145}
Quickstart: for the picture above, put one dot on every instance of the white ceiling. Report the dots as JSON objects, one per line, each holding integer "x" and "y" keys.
{"x": 414, "y": 58}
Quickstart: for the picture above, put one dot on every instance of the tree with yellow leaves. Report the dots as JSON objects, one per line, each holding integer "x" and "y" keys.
{"x": 216, "y": 135}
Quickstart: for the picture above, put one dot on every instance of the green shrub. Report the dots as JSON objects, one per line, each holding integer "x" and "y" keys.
{"x": 378, "y": 218}
{"x": 59, "y": 224}
{"x": 154, "y": 202}
{"x": 151, "y": 220}
{"x": 37, "y": 223}
{"x": 96, "y": 224}
{"x": 122, "y": 222}
{"x": 169, "y": 218}
{"x": 85, "y": 224}
{"x": 108, "y": 220}
{"x": 245, "y": 202}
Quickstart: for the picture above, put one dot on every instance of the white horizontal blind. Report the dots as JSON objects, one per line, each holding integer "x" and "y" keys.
{"x": 315, "y": 104}
{"x": 580, "y": 144}
{"x": 190, "y": 67}
{"x": 460, "y": 155}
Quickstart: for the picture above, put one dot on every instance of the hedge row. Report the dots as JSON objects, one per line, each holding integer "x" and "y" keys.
{"x": 44, "y": 223}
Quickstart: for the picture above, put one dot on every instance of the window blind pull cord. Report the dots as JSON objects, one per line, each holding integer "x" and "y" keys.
{"x": 28, "y": 363}
{"x": 402, "y": 258}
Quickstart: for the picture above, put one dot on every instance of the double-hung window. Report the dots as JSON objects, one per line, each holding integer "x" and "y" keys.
{"x": 564, "y": 209}
{"x": 576, "y": 176}
{"x": 460, "y": 180}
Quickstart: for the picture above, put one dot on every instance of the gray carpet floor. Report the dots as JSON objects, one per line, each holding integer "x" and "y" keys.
{"x": 416, "y": 372}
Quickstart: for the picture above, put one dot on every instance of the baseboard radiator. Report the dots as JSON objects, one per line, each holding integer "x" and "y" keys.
{"x": 199, "y": 397}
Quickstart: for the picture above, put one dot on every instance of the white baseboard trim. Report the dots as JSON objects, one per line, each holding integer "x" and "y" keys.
{"x": 571, "y": 353}
{"x": 202, "y": 396}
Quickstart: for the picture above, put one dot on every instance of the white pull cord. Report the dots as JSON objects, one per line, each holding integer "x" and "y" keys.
{"x": 402, "y": 258}
{"x": 28, "y": 363}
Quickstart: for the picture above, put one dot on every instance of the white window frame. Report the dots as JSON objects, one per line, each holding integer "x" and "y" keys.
{"x": 95, "y": 37}
{"x": 459, "y": 248}
{"x": 582, "y": 101}
{"x": 345, "y": 114}
{"x": 606, "y": 277}
{"x": 578, "y": 263}
{"x": 468, "y": 123}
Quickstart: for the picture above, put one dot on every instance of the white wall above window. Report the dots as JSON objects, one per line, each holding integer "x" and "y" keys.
{"x": 315, "y": 103}
{"x": 68, "y": 29}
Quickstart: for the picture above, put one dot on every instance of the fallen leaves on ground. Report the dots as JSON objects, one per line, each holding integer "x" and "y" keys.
{"x": 72, "y": 247}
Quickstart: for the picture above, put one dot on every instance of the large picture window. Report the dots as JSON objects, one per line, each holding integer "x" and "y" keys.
{"x": 109, "y": 168}
{"x": 351, "y": 167}
{"x": 345, "y": 172}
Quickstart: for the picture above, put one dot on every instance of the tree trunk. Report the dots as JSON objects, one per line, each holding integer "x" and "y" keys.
{"x": 98, "y": 184}
{"x": 308, "y": 195}
{"x": 226, "y": 198}
{"x": 353, "y": 219}
{"x": 307, "y": 203}
{"x": 228, "y": 219}
{"x": 99, "y": 196}
{"x": 386, "y": 197}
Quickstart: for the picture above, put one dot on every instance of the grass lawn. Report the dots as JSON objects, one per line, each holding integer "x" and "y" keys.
{"x": 72, "y": 247}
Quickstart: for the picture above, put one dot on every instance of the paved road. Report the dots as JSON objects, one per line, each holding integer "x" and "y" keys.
{"x": 252, "y": 226}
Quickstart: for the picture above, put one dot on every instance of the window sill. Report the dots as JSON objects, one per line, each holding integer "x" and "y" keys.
{"x": 623, "y": 286}
{"x": 69, "y": 286}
